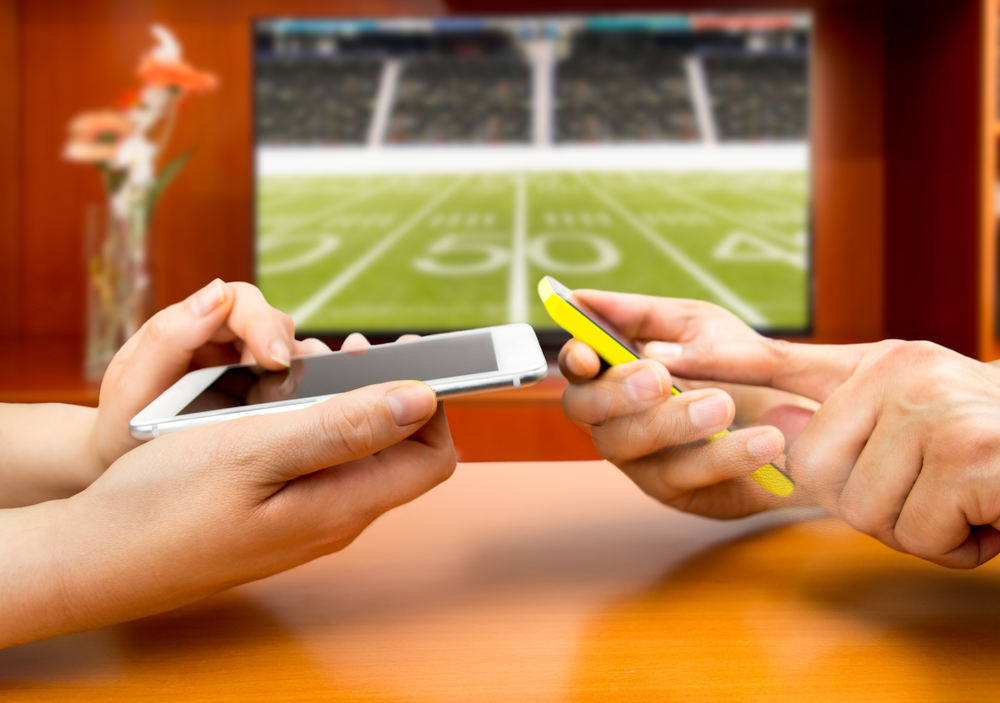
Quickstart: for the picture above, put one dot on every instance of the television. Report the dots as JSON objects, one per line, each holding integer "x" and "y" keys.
{"x": 420, "y": 175}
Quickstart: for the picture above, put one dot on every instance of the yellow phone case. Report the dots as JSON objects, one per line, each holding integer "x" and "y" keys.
{"x": 555, "y": 297}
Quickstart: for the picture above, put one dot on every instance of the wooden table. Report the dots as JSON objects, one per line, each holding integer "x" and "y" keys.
{"x": 561, "y": 582}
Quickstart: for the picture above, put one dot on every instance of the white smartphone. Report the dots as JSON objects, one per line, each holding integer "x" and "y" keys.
{"x": 453, "y": 364}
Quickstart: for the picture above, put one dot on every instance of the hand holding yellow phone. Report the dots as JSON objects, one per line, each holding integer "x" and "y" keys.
{"x": 601, "y": 336}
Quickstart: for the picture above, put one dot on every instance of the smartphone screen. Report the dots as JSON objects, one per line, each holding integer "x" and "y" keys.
{"x": 329, "y": 374}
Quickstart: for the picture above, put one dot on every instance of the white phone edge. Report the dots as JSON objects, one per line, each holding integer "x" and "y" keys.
{"x": 533, "y": 371}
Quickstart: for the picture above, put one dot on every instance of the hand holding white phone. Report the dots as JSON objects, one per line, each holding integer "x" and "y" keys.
{"x": 454, "y": 364}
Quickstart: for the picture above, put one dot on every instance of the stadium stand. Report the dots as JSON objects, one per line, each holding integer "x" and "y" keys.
{"x": 315, "y": 101}
{"x": 622, "y": 87}
{"x": 450, "y": 99}
{"x": 758, "y": 97}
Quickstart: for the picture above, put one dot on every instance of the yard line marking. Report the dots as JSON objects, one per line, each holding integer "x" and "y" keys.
{"x": 769, "y": 199}
{"x": 727, "y": 297}
{"x": 780, "y": 194}
{"x": 270, "y": 201}
{"x": 517, "y": 297}
{"x": 323, "y": 245}
{"x": 756, "y": 249}
{"x": 339, "y": 282}
{"x": 677, "y": 218}
{"x": 676, "y": 192}
{"x": 333, "y": 209}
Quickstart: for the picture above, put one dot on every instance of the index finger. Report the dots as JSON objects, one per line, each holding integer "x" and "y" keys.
{"x": 268, "y": 332}
{"x": 642, "y": 317}
{"x": 811, "y": 370}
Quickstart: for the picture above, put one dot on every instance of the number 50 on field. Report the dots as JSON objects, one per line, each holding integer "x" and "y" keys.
{"x": 483, "y": 253}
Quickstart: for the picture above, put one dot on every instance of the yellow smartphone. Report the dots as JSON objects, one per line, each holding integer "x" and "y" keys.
{"x": 615, "y": 348}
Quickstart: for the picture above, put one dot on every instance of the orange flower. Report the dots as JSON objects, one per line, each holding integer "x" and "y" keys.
{"x": 94, "y": 136}
{"x": 128, "y": 99}
{"x": 177, "y": 74}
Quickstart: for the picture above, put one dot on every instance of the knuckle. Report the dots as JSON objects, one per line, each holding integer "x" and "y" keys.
{"x": 907, "y": 534}
{"x": 696, "y": 309}
{"x": 859, "y": 516}
{"x": 158, "y": 328}
{"x": 650, "y": 431}
{"x": 779, "y": 349}
{"x": 850, "y": 512}
{"x": 922, "y": 390}
{"x": 243, "y": 289}
{"x": 780, "y": 353}
{"x": 896, "y": 363}
{"x": 908, "y": 542}
{"x": 976, "y": 447}
{"x": 896, "y": 353}
{"x": 887, "y": 346}
{"x": 639, "y": 439}
{"x": 348, "y": 430}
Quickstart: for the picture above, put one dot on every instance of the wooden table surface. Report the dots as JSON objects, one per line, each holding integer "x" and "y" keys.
{"x": 556, "y": 582}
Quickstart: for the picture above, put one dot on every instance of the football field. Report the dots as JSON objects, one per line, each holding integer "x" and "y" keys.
{"x": 421, "y": 253}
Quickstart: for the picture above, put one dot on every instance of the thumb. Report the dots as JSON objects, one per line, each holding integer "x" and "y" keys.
{"x": 350, "y": 426}
{"x": 811, "y": 370}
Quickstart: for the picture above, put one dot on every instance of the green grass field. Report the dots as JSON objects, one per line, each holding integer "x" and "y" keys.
{"x": 398, "y": 253}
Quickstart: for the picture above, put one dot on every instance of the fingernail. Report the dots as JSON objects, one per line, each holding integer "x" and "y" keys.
{"x": 644, "y": 384}
{"x": 207, "y": 299}
{"x": 574, "y": 365}
{"x": 764, "y": 447}
{"x": 278, "y": 351}
{"x": 663, "y": 350}
{"x": 712, "y": 411}
{"x": 288, "y": 385}
{"x": 410, "y": 403}
{"x": 355, "y": 339}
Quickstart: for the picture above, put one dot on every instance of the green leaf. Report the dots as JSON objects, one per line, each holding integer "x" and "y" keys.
{"x": 113, "y": 178}
{"x": 166, "y": 177}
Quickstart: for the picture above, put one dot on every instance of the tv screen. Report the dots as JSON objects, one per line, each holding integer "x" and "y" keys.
{"x": 423, "y": 174}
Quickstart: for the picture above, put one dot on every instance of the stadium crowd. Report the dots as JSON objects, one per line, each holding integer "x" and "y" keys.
{"x": 316, "y": 101}
{"x": 627, "y": 86}
{"x": 758, "y": 97}
{"x": 455, "y": 99}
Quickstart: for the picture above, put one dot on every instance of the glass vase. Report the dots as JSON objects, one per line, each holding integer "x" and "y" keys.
{"x": 119, "y": 283}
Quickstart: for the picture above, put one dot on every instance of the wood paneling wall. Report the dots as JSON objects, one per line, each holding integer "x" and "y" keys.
{"x": 848, "y": 132}
{"x": 894, "y": 159}
{"x": 934, "y": 78}
{"x": 10, "y": 235}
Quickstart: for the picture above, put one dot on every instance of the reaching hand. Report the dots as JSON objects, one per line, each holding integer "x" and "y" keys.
{"x": 223, "y": 323}
{"x": 906, "y": 444}
{"x": 659, "y": 440}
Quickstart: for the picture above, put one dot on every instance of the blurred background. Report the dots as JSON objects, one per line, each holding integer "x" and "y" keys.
{"x": 826, "y": 170}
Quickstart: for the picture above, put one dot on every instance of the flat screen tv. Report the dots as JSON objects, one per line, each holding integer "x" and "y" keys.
{"x": 423, "y": 174}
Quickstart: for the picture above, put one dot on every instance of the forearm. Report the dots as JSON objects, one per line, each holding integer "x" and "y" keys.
{"x": 33, "y": 603}
{"x": 74, "y": 564}
{"x": 47, "y": 451}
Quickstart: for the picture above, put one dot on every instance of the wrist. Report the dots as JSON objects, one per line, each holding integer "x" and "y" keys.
{"x": 100, "y": 456}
